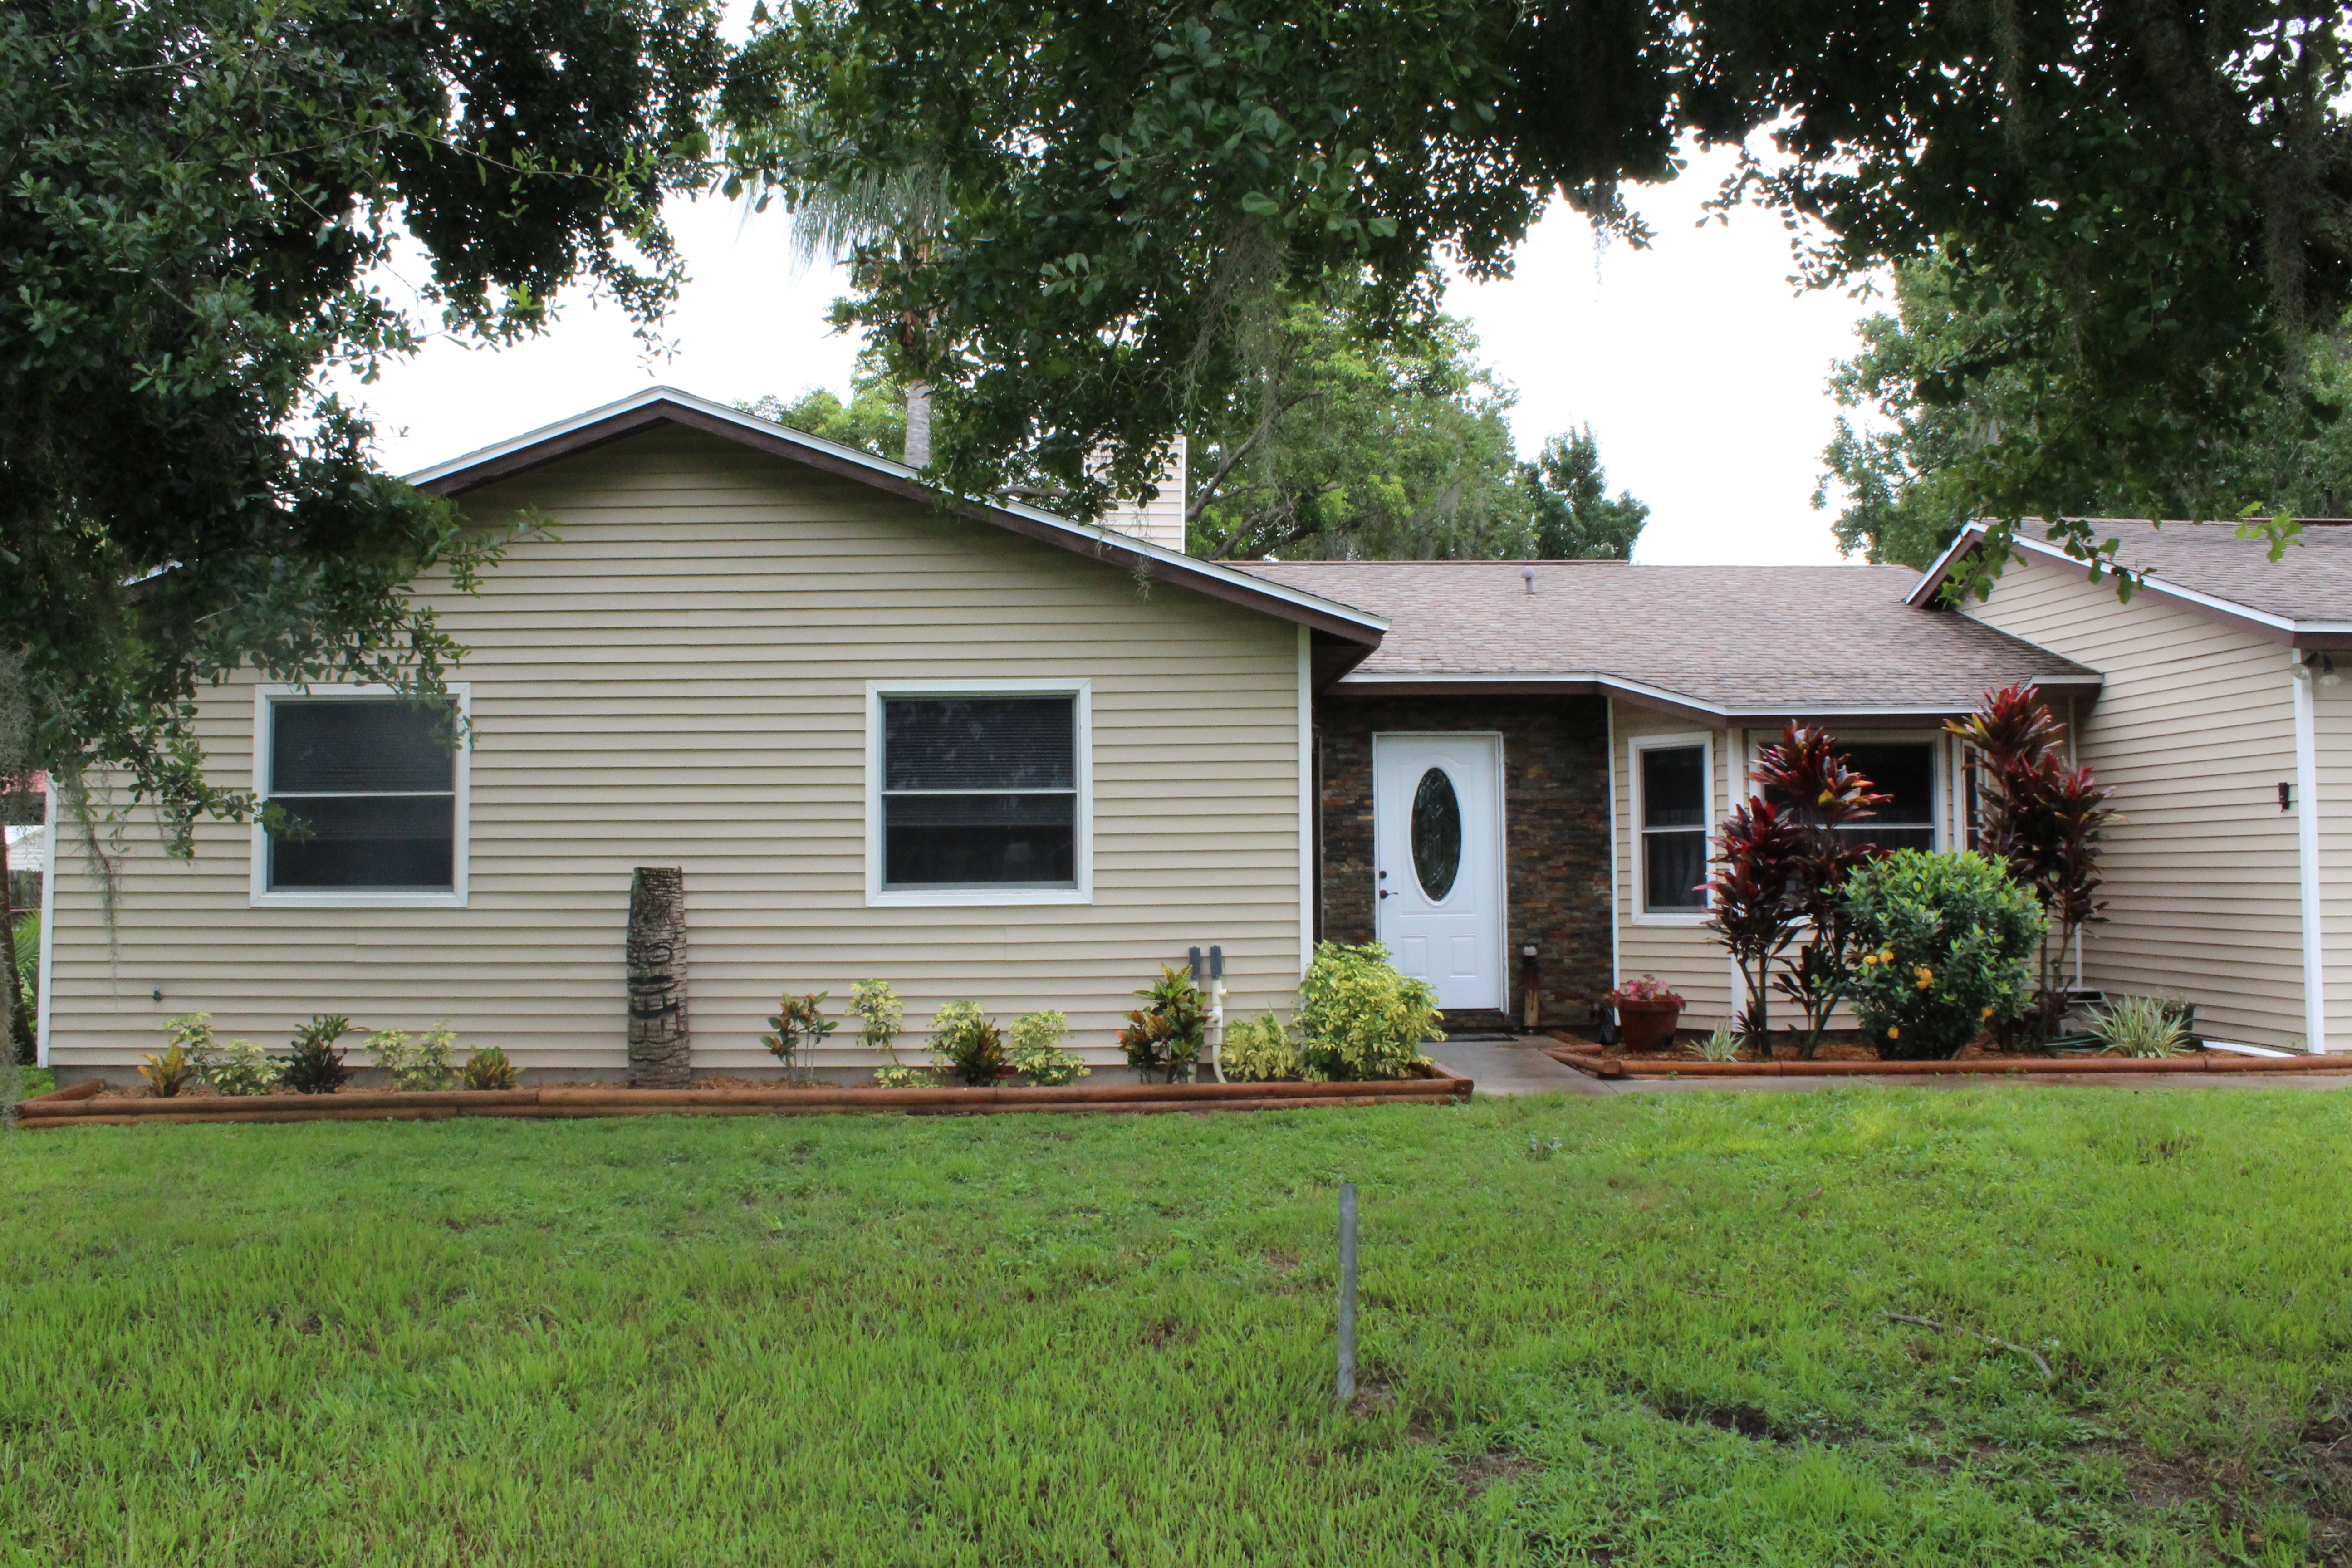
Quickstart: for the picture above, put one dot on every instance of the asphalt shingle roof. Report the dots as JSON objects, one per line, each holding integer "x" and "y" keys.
{"x": 1792, "y": 639}
{"x": 2311, "y": 582}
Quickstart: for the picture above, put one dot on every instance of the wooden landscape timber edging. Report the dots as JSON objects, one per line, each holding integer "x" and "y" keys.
{"x": 80, "y": 1106}
{"x": 1601, "y": 1065}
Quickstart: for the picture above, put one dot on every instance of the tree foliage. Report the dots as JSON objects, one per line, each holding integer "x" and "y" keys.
{"x": 2147, "y": 201}
{"x": 1910, "y": 470}
{"x": 194, "y": 197}
{"x": 1337, "y": 446}
{"x": 1573, "y": 517}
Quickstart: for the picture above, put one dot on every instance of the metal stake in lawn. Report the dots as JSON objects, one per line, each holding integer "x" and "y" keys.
{"x": 1346, "y": 1291}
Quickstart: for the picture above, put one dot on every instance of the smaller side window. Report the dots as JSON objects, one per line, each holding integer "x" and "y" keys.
{"x": 366, "y": 792}
{"x": 1673, "y": 828}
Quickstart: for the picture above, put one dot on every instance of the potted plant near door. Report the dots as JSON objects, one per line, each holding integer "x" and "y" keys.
{"x": 1646, "y": 1012}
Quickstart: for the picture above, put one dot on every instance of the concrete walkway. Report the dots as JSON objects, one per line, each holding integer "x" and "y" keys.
{"x": 1520, "y": 1067}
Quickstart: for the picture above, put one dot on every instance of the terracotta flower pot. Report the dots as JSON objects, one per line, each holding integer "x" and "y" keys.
{"x": 1646, "y": 1026}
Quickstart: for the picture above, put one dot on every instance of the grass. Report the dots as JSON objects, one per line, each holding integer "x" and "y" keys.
{"x": 1048, "y": 1339}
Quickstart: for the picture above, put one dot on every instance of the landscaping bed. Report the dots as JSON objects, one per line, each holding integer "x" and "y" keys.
{"x": 91, "y": 1103}
{"x": 1856, "y": 1059}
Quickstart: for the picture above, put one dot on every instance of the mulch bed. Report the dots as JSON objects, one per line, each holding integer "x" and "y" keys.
{"x": 92, "y": 1103}
{"x": 1849, "y": 1056}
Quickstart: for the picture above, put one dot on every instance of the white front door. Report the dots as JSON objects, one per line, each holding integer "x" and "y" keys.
{"x": 1437, "y": 861}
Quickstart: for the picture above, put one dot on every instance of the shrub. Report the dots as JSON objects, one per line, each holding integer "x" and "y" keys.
{"x": 418, "y": 1067}
{"x": 242, "y": 1067}
{"x": 1749, "y": 900}
{"x": 897, "y": 1074}
{"x": 2044, "y": 818}
{"x": 1166, "y": 1033}
{"x": 1260, "y": 1050}
{"x": 191, "y": 1034}
{"x": 880, "y": 1015}
{"x": 168, "y": 1071}
{"x": 799, "y": 1021}
{"x": 314, "y": 1066}
{"x": 27, "y": 941}
{"x": 1948, "y": 944}
{"x": 488, "y": 1069}
{"x": 1820, "y": 793}
{"x": 966, "y": 1044}
{"x": 1362, "y": 1020}
{"x": 2140, "y": 1027}
{"x": 1721, "y": 1044}
{"x": 1037, "y": 1053}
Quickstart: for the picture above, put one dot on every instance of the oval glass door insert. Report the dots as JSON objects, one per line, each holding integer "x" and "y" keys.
{"x": 1436, "y": 834}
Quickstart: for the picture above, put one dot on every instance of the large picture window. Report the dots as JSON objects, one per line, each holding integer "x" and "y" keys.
{"x": 1671, "y": 811}
{"x": 981, "y": 792}
{"x": 361, "y": 796}
{"x": 1904, "y": 771}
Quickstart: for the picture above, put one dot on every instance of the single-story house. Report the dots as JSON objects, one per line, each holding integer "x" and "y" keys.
{"x": 981, "y": 751}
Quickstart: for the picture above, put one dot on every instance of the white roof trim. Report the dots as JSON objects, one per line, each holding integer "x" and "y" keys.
{"x": 1933, "y": 579}
{"x": 885, "y": 468}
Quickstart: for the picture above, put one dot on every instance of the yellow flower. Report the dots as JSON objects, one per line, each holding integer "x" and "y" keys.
{"x": 1988, "y": 1015}
{"x": 1893, "y": 1033}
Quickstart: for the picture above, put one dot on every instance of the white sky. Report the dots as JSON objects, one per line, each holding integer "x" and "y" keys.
{"x": 1700, "y": 368}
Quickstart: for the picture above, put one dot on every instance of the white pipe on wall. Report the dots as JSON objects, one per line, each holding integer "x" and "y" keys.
{"x": 2307, "y": 825}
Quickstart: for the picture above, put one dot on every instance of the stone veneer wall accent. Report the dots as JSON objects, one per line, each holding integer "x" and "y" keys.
{"x": 1555, "y": 828}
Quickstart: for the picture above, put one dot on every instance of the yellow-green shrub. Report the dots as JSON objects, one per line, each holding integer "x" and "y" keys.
{"x": 1359, "y": 1017}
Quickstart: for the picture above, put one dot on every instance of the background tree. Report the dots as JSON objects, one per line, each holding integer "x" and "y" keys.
{"x": 2154, "y": 205}
{"x": 1573, "y": 517}
{"x": 873, "y": 418}
{"x": 1909, "y": 471}
{"x": 1336, "y": 446}
{"x": 193, "y": 197}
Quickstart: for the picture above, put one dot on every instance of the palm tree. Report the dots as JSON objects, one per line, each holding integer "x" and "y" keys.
{"x": 840, "y": 219}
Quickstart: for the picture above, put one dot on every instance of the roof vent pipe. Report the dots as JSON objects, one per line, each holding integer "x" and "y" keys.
{"x": 1528, "y": 574}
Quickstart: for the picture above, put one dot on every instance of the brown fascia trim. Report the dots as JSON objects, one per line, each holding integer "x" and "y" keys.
{"x": 1875, "y": 718}
{"x": 629, "y": 422}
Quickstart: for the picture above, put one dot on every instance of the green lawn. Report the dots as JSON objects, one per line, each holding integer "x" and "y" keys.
{"x": 1064, "y": 1339}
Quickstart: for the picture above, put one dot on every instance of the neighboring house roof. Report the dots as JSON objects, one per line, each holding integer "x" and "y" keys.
{"x": 1716, "y": 643}
{"x": 657, "y": 406}
{"x": 2303, "y": 599}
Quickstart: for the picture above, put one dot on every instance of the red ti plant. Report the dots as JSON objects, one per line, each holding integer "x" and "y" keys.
{"x": 2044, "y": 817}
{"x": 1749, "y": 903}
{"x": 1823, "y": 794}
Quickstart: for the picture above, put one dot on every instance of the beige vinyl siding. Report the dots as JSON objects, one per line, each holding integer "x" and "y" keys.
{"x": 681, "y": 680}
{"x": 2193, "y": 730}
{"x": 2332, "y": 730}
{"x": 1678, "y": 950}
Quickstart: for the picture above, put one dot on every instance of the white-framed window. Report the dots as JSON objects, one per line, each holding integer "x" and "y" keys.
{"x": 1901, "y": 765}
{"x": 364, "y": 797}
{"x": 979, "y": 792}
{"x": 1672, "y": 780}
